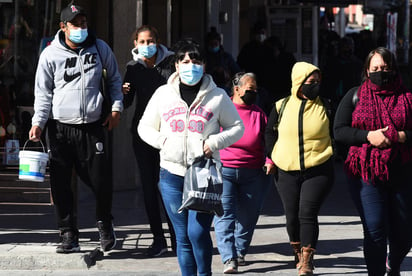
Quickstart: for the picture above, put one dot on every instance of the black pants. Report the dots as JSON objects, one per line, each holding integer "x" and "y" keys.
{"x": 148, "y": 161}
{"x": 302, "y": 194}
{"x": 86, "y": 149}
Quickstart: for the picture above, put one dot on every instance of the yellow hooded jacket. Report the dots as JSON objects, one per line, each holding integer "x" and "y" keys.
{"x": 303, "y": 133}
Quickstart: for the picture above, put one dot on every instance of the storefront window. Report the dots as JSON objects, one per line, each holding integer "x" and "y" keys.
{"x": 25, "y": 27}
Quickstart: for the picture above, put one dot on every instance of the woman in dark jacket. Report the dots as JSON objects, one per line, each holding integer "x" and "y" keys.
{"x": 375, "y": 122}
{"x": 150, "y": 68}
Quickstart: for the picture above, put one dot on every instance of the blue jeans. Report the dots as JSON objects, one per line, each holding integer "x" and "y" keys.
{"x": 243, "y": 195}
{"x": 385, "y": 209}
{"x": 192, "y": 229}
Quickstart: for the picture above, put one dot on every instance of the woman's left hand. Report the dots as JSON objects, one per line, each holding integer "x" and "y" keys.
{"x": 206, "y": 150}
{"x": 270, "y": 168}
{"x": 401, "y": 136}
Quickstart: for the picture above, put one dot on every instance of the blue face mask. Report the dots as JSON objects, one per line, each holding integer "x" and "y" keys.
{"x": 147, "y": 51}
{"x": 190, "y": 73}
{"x": 78, "y": 35}
{"x": 214, "y": 49}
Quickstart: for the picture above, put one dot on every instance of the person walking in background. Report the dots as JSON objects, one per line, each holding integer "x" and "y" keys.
{"x": 299, "y": 142}
{"x": 245, "y": 184}
{"x": 187, "y": 118}
{"x": 253, "y": 56}
{"x": 276, "y": 79}
{"x": 68, "y": 99}
{"x": 151, "y": 66}
{"x": 375, "y": 122}
{"x": 219, "y": 63}
{"x": 342, "y": 72}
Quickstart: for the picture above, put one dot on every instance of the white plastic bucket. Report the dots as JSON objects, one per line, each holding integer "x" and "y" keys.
{"x": 32, "y": 164}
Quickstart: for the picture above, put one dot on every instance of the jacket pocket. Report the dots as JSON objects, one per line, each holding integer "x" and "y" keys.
{"x": 67, "y": 104}
{"x": 173, "y": 150}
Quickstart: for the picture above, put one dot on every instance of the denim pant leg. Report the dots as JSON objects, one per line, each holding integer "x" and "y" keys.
{"x": 198, "y": 230}
{"x": 252, "y": 188}
{"x": 192, "y": 229}
{"x": 225, "y": 225}
{"x": 371, "y": 204}
{"x": 243, "y": 192}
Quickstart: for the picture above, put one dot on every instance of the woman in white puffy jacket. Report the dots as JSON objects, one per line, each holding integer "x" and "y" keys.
{"x": 186, "y": 118}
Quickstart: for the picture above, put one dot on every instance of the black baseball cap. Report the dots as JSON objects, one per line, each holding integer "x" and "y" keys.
{"x": 70, "y": 12}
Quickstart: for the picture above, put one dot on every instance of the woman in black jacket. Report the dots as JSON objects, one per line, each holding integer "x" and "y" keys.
{"x": 151, "y": 66}
{"x": 374, "y": 121}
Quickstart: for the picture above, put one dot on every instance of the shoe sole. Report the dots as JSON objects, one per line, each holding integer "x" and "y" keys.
{"x": 65, "y": 251}
{"x": 230, "y": 271}
{"x": 160, "y": 253}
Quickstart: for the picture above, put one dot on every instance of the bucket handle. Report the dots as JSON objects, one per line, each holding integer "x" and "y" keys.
{"x": 24, "y": 146}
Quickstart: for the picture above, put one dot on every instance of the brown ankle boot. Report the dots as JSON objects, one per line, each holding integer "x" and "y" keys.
{"x": 297, "y": 253}
{"x": 306, "y": 268}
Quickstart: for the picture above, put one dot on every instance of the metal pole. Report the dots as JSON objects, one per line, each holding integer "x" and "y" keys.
{"x": 315, "y": 34}
{"x": 16, "y": 37}
{"x": 169, "y": 22}
{"x": 342, "y": 22}
{"x": 139, "y": 13}
{"x": 406, "y": 33}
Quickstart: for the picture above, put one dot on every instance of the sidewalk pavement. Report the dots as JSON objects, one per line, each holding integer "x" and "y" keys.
{"x": 28, "y": 238}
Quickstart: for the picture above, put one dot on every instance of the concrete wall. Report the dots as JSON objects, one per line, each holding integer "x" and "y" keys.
{"x": 125, "y": 172}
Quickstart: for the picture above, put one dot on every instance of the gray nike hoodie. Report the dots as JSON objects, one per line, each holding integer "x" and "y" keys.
{"x": 67, "y": 84}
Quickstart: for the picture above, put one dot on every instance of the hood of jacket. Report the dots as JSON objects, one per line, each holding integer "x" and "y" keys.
{"x": 300, "y": 72}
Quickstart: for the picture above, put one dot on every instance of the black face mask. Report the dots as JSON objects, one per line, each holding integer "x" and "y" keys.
{"x": 311, "y": 91}
{"x": 249, "y": 97}
{"x": 381, "y": 78}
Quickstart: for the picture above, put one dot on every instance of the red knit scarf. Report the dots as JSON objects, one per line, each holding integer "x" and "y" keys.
{"x": 377, "y": 108}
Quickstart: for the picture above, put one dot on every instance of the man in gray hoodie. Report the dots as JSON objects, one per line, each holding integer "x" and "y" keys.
{"x": 69, "y": 102}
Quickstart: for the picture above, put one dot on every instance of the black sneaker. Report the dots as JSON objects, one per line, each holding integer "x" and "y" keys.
{"x": 158, "y": 248}
{"x": 107, "y": 235}
{"x": 70, "y": 243}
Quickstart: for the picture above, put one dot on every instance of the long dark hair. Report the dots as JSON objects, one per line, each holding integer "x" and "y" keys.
{"x": 387, "y": 56}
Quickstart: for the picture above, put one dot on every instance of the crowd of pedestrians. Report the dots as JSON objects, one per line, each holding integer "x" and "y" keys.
{"x": 195, "y": 101}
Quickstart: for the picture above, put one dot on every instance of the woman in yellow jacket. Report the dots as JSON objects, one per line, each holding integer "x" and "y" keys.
{"x": 298, "y": 141}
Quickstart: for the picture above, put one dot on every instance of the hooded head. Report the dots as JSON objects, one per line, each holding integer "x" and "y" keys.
{"x": 300, "y": 72}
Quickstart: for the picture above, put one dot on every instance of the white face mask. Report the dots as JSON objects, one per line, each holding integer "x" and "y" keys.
{"x": 190, "y": 73}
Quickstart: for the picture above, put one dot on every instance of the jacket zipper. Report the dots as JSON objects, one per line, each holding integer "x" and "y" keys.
{"x": 300, "y": 135}
{"x": 186, "y": 133}
{"x": 83, "y": 96}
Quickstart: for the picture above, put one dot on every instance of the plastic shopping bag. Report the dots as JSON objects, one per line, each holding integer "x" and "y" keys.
{"x": 203, "y": 186}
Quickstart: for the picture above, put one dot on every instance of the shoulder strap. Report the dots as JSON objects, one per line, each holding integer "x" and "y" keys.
{"x": 355, "y": 97}
{"x": 280, "y": 112}
{"x": 98, "y": 52}
{"x": 327, "y": 103}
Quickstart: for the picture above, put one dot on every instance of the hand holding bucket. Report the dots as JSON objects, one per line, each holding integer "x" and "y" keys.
{"x": 32, "y": 164}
